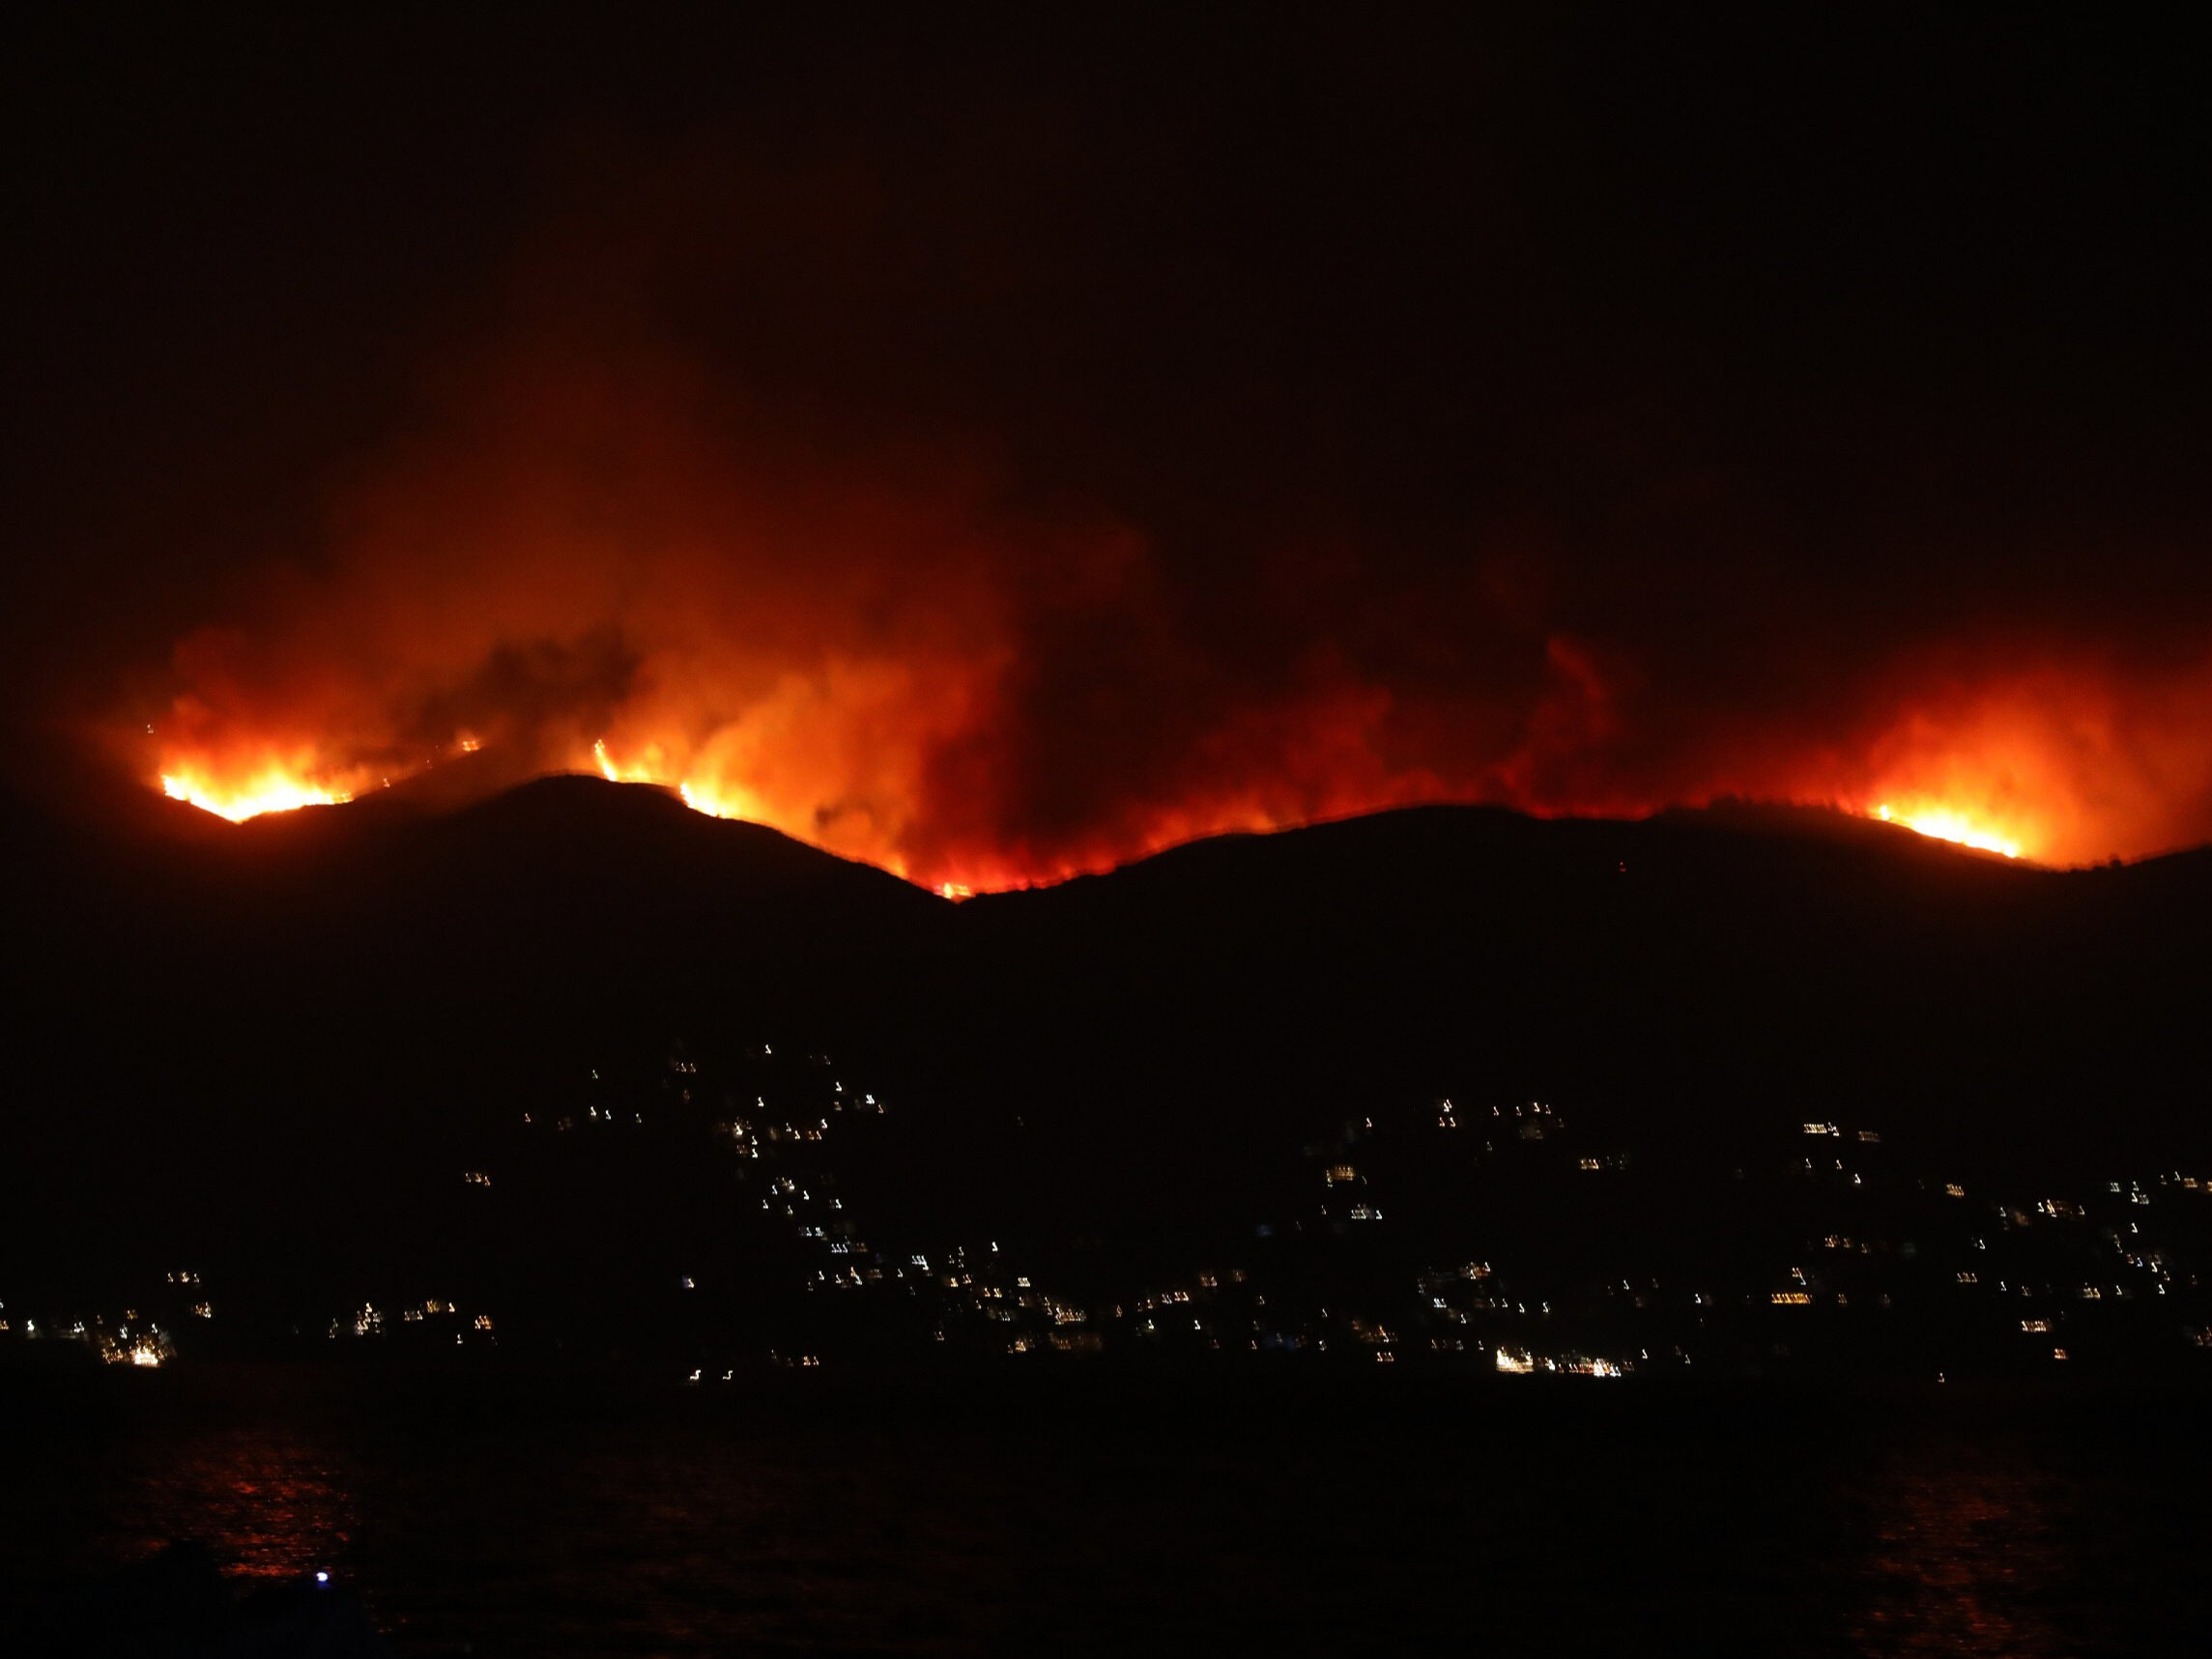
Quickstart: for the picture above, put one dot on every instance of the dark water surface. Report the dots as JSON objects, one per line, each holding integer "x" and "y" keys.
{"x": 500, "y": 1516}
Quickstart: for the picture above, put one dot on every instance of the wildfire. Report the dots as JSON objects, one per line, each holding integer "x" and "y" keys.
{"x": 715, "y": 800}
{"x": 276, "y": 788}
{"x": 1944, "y": 824}
{"x": 271, "y": 790}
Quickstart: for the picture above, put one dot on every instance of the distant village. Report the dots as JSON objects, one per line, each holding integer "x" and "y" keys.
{"x": 1492, "y": 1239}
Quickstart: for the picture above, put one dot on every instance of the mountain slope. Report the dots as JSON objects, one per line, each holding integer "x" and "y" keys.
{"x": 265, "y": 1028}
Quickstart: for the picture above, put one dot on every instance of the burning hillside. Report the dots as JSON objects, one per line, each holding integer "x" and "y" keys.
{"x": 914, "y": 668}
{"x": 866, "y": 492}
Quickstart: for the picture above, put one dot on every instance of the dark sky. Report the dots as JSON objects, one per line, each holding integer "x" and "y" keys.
{"x": 996, "y": 445}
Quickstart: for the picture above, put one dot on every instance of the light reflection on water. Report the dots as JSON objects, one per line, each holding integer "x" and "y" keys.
{"x": 273, "y": 1499}
{"x": 1965, "y": 1542}
{"x": 1318, "y": 1522}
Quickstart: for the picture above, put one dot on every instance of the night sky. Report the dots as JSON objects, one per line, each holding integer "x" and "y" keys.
{"x": 999, "y": 447}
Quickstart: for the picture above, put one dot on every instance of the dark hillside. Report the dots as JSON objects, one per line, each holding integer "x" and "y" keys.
{"x": 1686, "y": 978}
{"x": 260, "y": 1033}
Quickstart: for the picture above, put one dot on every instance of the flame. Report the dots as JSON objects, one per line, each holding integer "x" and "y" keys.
{"x": 272, "y": 786}
{"x": 717, "y": 802}
{"x": 956, "y": 651}
{"x": 1981, "y": 784}
{"x": 276, "y": 788}
{"x": 272, "y": 790}
{"x": 713, "y": 799}
{"x": 1941, "y": 824}
{"x": 923, "y": 700}
{"x": 937, "y": 768}
{"x": 1984, "y": 798}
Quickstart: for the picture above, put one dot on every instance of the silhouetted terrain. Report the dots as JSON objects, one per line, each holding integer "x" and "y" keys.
{"x": 276, "y": 1046}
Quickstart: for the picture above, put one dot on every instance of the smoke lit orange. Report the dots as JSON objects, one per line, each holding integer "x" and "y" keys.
{"x": 904, "y": 665}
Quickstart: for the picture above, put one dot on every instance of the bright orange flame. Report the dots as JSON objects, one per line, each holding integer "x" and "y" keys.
{"x": 719, "y": 802}
{"x": 1944, "y": 824}
{"x": 705, "y": 782}
{"x": 273, "y": 790}
{"x": 860, "y": 760}
{"x": 904, "y": 650}
{"x": 715, "y": 800}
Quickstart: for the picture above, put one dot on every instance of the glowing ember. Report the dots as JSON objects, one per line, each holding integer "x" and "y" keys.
{"x": 273, "y": 790}
{"x": 1945, "y": 826}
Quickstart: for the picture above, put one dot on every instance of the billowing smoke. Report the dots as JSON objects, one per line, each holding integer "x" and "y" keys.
{"x": 1025, "y": 499}
{"x": 893, "y": 655}
{"x": 883, "y": 654}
